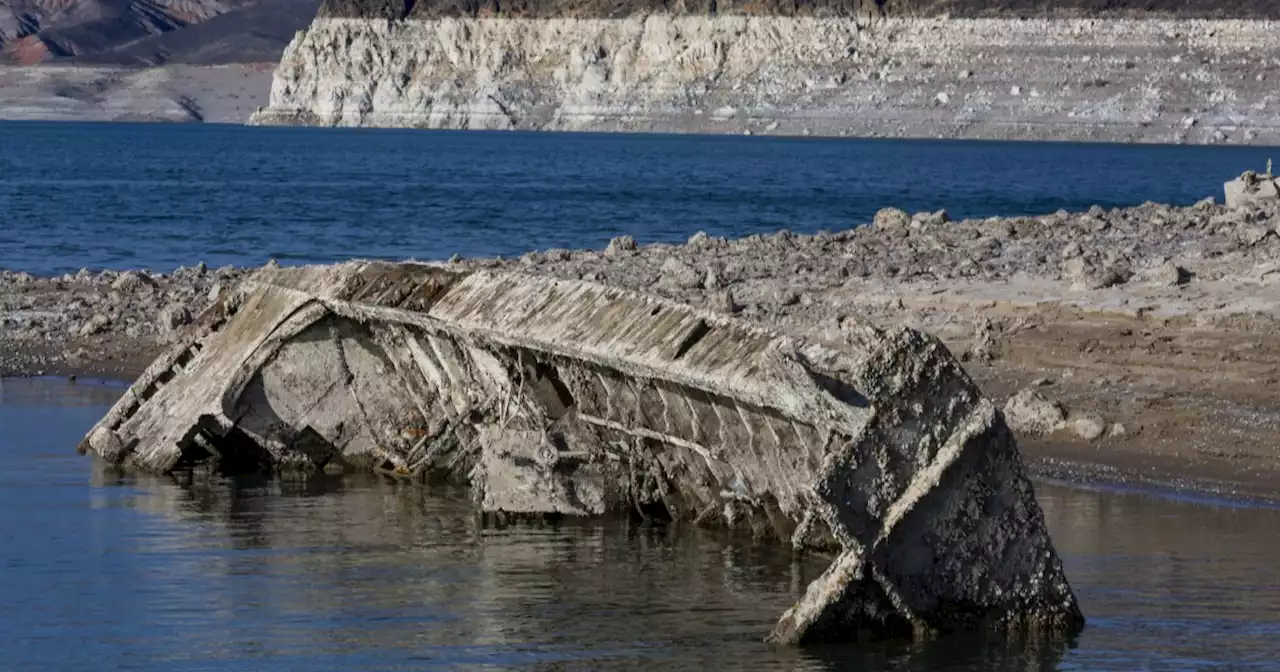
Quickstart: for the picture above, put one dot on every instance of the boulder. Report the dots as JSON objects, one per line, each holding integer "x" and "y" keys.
{"x": 676, "y": 274}
{"x": 620, "y": 245}
{"x": 1250, "y": 188}
{"x": 1030, "y": 413}
{"x": 891, "y": 218}
{"x": 1089, "y": 274}
{"x": 1088, "y": 426}
{"x": 132, "y": 281}
{"x": 1170, "y": 274}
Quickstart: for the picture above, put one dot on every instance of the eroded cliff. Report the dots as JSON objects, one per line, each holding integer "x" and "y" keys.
{"x": 556, "y": 73}
{"x": 831, "y": 69}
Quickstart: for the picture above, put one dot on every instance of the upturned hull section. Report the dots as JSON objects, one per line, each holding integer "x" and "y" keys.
{"x": 560, "y": 397}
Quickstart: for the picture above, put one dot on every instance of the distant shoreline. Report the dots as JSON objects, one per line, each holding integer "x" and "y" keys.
{"x": 169, "y": 93}
{"x": 1152, "y": 80}
{"x": 1165, "y": 81}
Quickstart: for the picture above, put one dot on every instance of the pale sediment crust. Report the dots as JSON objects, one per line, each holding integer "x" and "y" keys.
{"x": 170, "y": 93}
{"x": 1114, "y": 79}
{"x": 1151, "y": 327}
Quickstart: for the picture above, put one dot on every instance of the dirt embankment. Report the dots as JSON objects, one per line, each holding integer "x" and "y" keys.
{"x": 1132, "y": 344}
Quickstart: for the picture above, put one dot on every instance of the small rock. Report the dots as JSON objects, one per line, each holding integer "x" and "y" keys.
{"x": 1205, "y": 204}
{"x": 131, "y": 281}
{"x": 1030, "y": 413}
{"x": 787, "y": 297}
{"x": 95, "y": 325}
{"x": 175, "y": 317}
{"x": 1170, "y": 274}
{"x": 966, "y": 74}
{"x": 891, "y": 218}
{"x": 723, "y": 302}
{"x": 557, "y": 254}
{"x": 1252, "y": 235}
{"x": 1088, "y": 426}
{"x": 1085, "y": 274}
{"x": 923, "y": 220}
{"x": 699, "y": 240}
{"x": 679, "y": 275}
{"x": 271, "y": 264}
{"x": 1015, "y": 90}
{"x": 712, "y": 280}
{"x": 215, "y": 292}
{"x": 773, "y": 126}
{"x": 1118, "y": 430}
{"x": 984, "y": 346}
{"x": 620, "y": 245}
{"x": 942, "y": 98}
{"x": 1072, "y": 250}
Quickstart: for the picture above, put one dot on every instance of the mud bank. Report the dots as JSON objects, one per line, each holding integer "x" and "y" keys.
{"x": 1138, "y": 342}
{"x": 826, "y": 72}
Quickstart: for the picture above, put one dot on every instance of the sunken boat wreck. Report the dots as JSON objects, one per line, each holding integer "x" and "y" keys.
{"x": 555, "y": 397}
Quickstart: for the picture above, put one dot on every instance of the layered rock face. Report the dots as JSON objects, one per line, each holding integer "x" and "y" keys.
{"x": 558, "y": 397}
{"x": 830, "y": 70}
{"x": 550, "y": 73}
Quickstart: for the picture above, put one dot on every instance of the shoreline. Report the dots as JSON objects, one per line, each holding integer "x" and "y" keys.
{"x": 1138, "y": 340}
{"x": 1154, "y": 80}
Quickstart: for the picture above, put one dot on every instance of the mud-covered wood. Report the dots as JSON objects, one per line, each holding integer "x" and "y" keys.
{"x": 554, "y": 397}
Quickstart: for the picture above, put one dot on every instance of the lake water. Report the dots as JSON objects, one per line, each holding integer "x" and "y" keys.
{"x": 99, "y": 570}
{"x": 158, "y": 197}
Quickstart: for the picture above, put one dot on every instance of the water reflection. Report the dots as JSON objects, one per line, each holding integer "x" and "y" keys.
{"x": 332, "y": 573}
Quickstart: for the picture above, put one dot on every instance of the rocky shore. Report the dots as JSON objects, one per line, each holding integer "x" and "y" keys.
{"x": 1131, "y": 344}
{"x": 103, "y": 323}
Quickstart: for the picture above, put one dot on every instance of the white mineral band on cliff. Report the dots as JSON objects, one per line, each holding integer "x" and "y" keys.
{"x": 1115, "y": 79}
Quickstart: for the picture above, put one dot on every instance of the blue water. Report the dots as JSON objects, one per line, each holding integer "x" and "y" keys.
{"x": 101, "y": 570}
{"x": 158, "y": 197}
